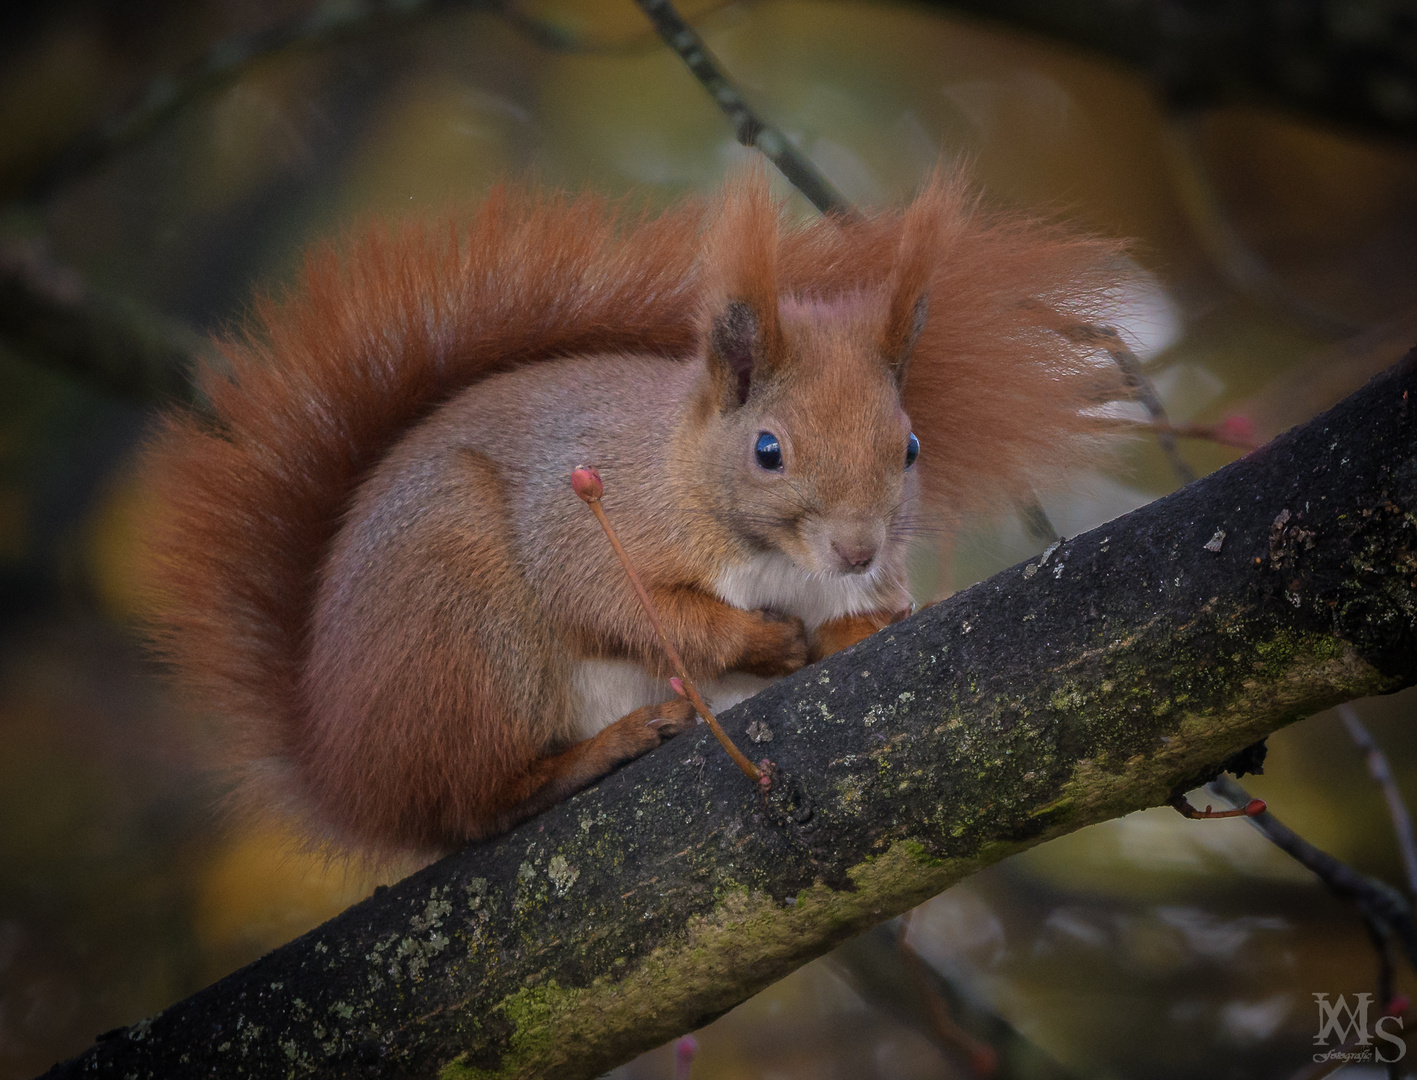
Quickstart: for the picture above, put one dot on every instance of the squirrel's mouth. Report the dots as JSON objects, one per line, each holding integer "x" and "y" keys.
{"x": 846, "y": 549}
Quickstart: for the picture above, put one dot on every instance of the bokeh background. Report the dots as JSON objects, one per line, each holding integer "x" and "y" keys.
{"x": 1282, "y": 254}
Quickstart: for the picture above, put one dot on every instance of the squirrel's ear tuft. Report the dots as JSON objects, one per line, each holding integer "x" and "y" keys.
{"x": 921, "y": 242}
{"x": 733, "y": 343}
{"x": 742, "y": 333}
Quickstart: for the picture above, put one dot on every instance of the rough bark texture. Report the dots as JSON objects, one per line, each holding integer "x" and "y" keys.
{"x": 1349, "y": 62}
{"x": 1095, "y": 680}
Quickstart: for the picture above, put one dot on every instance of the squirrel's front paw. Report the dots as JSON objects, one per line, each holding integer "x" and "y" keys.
{"x": 672, "y": 718}
{"x": 644, "y": 729}
{"x": 832, "y": 637}
{"x": 776, "y": 645}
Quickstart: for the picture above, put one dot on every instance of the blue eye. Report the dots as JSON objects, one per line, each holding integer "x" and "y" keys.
{"x": 912, "y": 450}
{"x": 768, "y": 452}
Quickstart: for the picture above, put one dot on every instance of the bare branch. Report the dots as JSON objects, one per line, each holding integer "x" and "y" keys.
{"x": 1396, "y": 804}
{"x": 1104, "y": 337}
{"x": 49, "y": 314}
{"x": 1385, "y": 911}
{"x": 751, "y": 130}
{"x": 168, "y": 94}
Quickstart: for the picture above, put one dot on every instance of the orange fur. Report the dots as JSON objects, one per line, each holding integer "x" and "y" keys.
{"x": 365, "y": 562}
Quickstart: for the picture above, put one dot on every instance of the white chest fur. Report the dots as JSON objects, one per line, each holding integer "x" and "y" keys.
{"x": 774, "y": 581}
{"x": 606, "y": 690}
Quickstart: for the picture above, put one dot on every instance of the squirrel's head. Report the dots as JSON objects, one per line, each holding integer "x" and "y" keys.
{"x": 798, "y": 414}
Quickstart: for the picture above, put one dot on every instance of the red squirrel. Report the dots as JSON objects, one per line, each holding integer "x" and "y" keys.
{"x": 371, "y": 559}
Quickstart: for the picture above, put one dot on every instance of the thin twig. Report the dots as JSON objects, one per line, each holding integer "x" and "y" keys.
{"x": 588, "y": 486}
{"x": 49, "y": 313}
{"x": 1386, "y": 910}
{"x": 983, "y": 1059}
{"x": 1234, "y": 431}
{"x": 750, "y": 129}
{"x": 559, "y": 39}
{"x": 1396, "y": 805}
{"x": 168, "y": 94}
{"x": 1105, "y": 337}
{"x": 1186, "y": 810}
{"x": 1386, "y": 913}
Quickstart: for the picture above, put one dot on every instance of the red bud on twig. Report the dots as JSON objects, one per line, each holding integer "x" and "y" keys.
{"x": 684, "y": 1050}
{"x": 1253, "y": 808}
{"x": 586, "y": 483}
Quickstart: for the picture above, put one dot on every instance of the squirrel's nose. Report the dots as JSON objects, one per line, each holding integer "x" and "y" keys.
{"x": 855, "y": 558}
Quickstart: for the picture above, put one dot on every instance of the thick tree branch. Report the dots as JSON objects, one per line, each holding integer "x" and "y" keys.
{"x": 1054, "y": 695}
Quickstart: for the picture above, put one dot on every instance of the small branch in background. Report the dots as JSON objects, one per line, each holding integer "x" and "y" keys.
{"x": 1141, "y": 386}
{"x": 1235, "y": 430}
{"x": 1236, "y": 261}
{"x": 1106, "y": 338}
{"x": 1385, "y": 911}
{"x": 49, "y": 314}
{"x": 750, "y": 129}
{"x": 1396, "y": 805}
{"x": 973, "y": 1034}
{"x": 983, "y": 1059}
{"x": 167, "y": 95}
{"x": 559, "y": 39}
{"x": 1186, "y": 810}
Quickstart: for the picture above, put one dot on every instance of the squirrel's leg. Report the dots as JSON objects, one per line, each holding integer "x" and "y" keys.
{"x": 556, "y": 777}
{"x": 714, "y": 637}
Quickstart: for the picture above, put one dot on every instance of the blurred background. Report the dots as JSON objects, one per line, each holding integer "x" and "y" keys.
{"x": 160, "y": 161}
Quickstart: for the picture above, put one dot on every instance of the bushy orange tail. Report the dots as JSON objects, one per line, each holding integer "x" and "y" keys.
{"x": 327, "y": 379}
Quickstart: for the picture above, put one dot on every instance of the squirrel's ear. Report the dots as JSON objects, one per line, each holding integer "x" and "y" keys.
{"x": 921, "y": 239}
{"x": 742, "y": 334}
